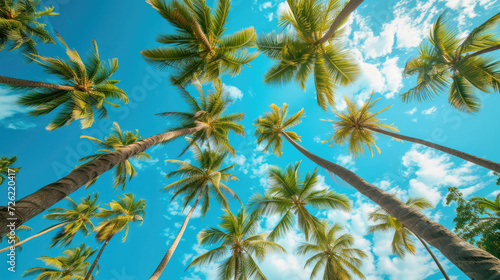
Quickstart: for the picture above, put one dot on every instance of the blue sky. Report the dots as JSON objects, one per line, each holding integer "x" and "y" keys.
{"x": 382, "y": 35}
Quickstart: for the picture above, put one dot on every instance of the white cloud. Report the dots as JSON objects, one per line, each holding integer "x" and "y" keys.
{"x": 143, "y": 164}
{"x": 393, "y": 75}
{"x": 346, "y": 161}
{"x": 265, "y": 5}
{"x": 412, "y": 111}
{"x": 430, "y": 111}
{"x": 8, "y": 105}
{"x": 175, "y": 209}
{"x": 20, "y": 125}
{"x": 282, "y": 7}
{"x": 467, "y": 8}
{"x": 234, "y": 92}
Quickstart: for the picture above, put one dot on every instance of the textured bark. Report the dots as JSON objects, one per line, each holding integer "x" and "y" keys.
{"x": 34, "y": 236}
{"x": 200, "y": 35}
{"x": 89, "y": 273}
{"x": 434, "y": 258}
{"x": 26, "y": 83}
{"x": 163, "y": 264}
{"x": 474, "y": 262}
{"x": 346, "y": 11}
{"x": 487, "y": 50}
{"x": 39, "y": 201}
{"x": 477, "y": 160}
{"x": 237, "y": 267}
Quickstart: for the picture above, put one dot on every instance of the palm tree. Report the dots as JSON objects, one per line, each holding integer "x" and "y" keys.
{"x": 19, "y": 25}
{"x": 483, "y": 265}
{"x": 456, "y": 64}
{"x": 240, "y": 244}
{"x": 122, "y": 212}
{"x": 116, "y": 141}
{"x": 488, "y": 204}
{"x": 73, "y": 220}
{"x": 87, "y": 88}
{"x": 6, "y": 165}
{"x": 402, "y": 242}
{"x": 289, "y": 194}
{"x": 198, "y": 183}
{"x": 333, "y": 252}
{"x": 200, "y": 49}
{"x": 16, "y": 237}
{"x": 302, "y": 51}
{"x": 357, "y": 127}
{"x": 72, "y": 265}
{"x": 206, "y": 120}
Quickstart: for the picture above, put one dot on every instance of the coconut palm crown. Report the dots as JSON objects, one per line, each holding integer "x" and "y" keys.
{"x": 6, "y": 164}
{"x": 200, "y": 49}
{"x": 299, "y": 54}
{"x": 488, "y": 204}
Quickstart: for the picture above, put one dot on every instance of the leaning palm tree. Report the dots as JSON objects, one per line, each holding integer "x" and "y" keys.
{"x": 289, "y": 194}
{"x": 357, "y": 127}
{"x": 6, "y": 168}
{"x": 206, "y": 120}
{"x": 19, "y": 26}
{"x": 72, "y": 265}
{"x": 197, "y": 184}
{"x": 275, "y": 124}
{"x": 16, "y": 238}
{"x": 116, "y": 141}
{"x": 239, "y": 245}
{"x": 116, "y": 219}
{"x": 303, "y": 52}
{"x": 402, "y": 241}
{"x": 489, "y": 205}
{"x": 458, "y": 65}
{"x": 82, "y": 95}
{"x": 334, "y": 254}
{"x": 78, "y": 218}
{"x": 200, "y": 49}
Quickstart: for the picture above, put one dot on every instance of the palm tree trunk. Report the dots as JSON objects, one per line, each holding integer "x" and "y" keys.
{"x": 35, "y": 236}
{"x": 237, "y": 267}
{"x": 474, "y": 262}
{"x": 483, "y": 51}
{"x": 89, "y": 272}
{"x": 39, "y": 201}
{"x": 27, "y": 83}
{"x": 434, "y": 258}
{"x": 346, "y": 11}
{"x": 163, "y": 264}
{"x": 476, "y": 160}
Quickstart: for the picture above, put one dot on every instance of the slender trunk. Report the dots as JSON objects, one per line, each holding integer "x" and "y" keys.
{"x": 237, "y": 267}
{"x": 346, "y": 11}
{"x": 27, "y": 83}
{"x": 161, "y": 267}
{"x": 474, "y": 262}
{"x": 37, "y": 202}
{"x": 434, "y": 258}
{"x": 483, "y": 51}
{"x": 89, "y": 272}
{"x": 34, "y": 236}
{"x": 476, "y": 160}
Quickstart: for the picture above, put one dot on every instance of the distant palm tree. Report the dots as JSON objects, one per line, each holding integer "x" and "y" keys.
{"x": 127, "y": 209}
{"x": 450, "y": 62}
{"x": 358, "y": 125}
{"x": 72, "y": 265}
{"x": 275, "y": 124}
{"x": 6, "y": 164}
{"x": 402, "y": 242}
{"x": 116, "y": 141}
{"x": 240, "y": 243}
{"x": 19, "y": 26}
{"x": 16, "y": 237}
{"x": 334, "y": 254}
{"x": 301, "y": 51}
{"x": 74, "y": 220}
{"x": 289, "y": 194}
{"x": 488, "y": 204}
{"x": 205, "y": 121}
{"x": 87, "y": 88}
{"x": 198, "y": 183}
{"x": 200, "y": 50}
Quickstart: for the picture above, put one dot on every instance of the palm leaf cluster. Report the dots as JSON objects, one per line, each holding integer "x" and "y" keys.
{"x": 19, "y": 26}
{"x": 299, "y": 55}
{"x": 16, "y": 238}
{"x": 200, "y": 49}
{"x": 450, "y": 63}
{"x": 6, "y": 164}
{"x": 489, "y": 205}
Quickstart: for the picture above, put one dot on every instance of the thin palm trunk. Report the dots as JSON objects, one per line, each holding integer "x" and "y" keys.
{"x": 474, "y": 262}
{"x": 89, "y": 273}
{"x": 39, "y": 201}
{"x": 487, "y": 50}
{"x": 476, "y": 160}
{"x": 27, "y": 83}
{"x": 237, "y": 267}
{"x": 34, "y": 236}
{"x": 163, "y": 264}
{"x": 346, "y": 11}
{"x": 434, "y": 258}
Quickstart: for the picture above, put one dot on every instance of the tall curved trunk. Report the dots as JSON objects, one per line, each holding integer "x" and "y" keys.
{"x": 483, "y": 51}
{"x": 237, "y": 266}
{"x": 89, "y": 272}
{"x": 476, "y": 160}
{"x": 39, "y": 201}
{"x": 27, "y": 83}
{"x": 35, "y": 236}
{"x": 163, "y": 264}
{"x": 474, "y": 262}
{"x": 346, "y": 11}
{"x": 434, "y": 258}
